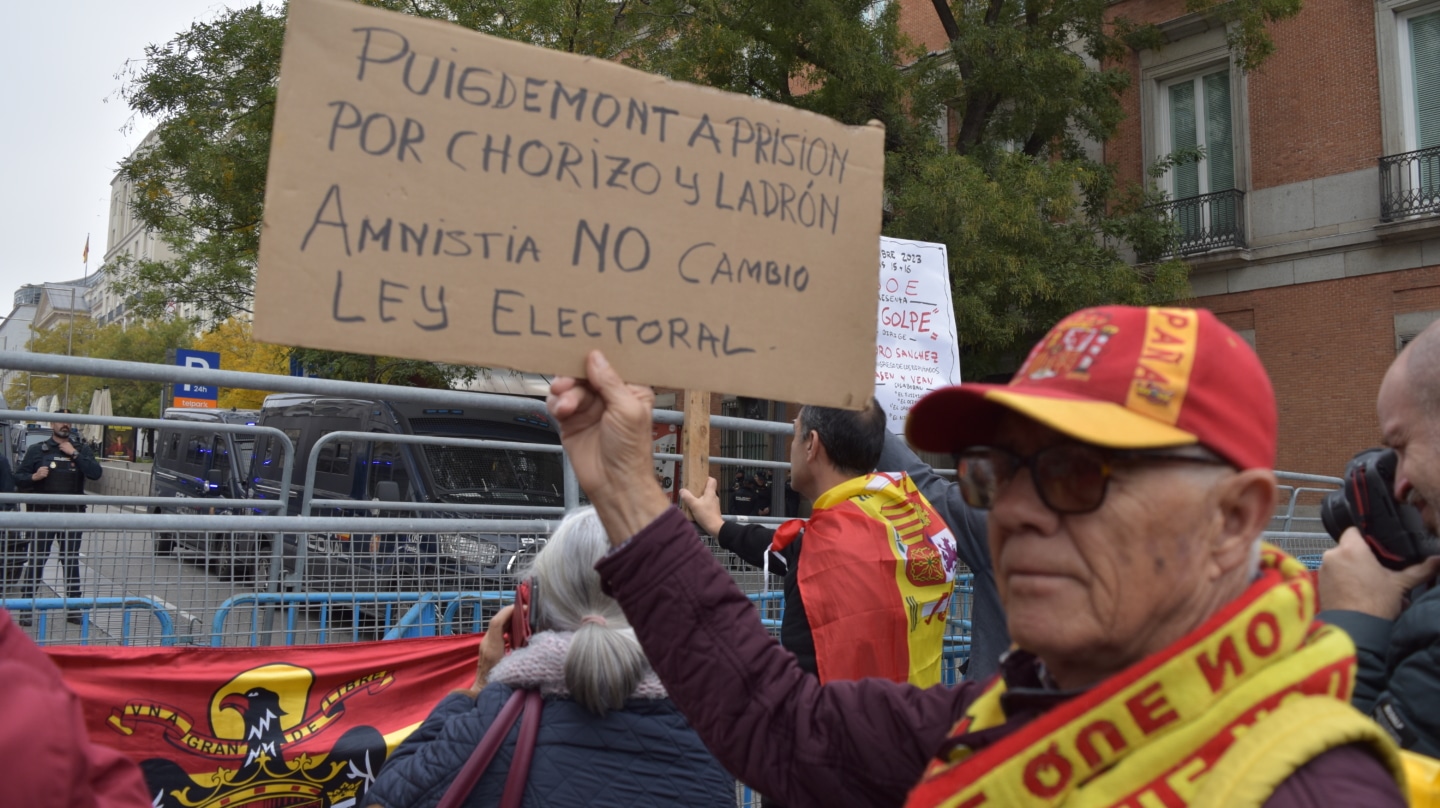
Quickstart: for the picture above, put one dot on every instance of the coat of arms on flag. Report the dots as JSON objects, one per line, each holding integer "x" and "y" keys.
{"x": 282, "y": 727}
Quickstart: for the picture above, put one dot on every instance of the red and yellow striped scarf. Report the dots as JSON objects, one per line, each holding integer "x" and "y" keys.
{"x": 876, "y": 574}
{"x": 1153, "y": 734}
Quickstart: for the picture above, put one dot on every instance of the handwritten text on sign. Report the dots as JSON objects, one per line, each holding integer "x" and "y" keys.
{"x": 440, "y": 194}
{"x": 916, "y": 348}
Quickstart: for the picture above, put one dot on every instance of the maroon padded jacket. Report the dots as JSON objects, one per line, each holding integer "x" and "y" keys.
{"x": 46, "y": 756}
{"x": 862, "y": 743}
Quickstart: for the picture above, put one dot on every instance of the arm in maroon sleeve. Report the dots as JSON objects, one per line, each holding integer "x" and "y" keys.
{"x": 773, "y": 726}
{"x": 1345, "y": 775}
{"x": 45, "y": 749}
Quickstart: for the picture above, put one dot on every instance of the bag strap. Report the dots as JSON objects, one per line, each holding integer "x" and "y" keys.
{"x": 524, "y": 751}
{"x": 479, "y": 760}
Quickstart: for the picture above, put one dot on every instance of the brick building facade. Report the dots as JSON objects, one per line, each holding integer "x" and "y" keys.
{"x": 1313, "y": 224}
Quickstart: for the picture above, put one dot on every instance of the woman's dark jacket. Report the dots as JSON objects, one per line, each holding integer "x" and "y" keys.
{"x": 643, "y": 755}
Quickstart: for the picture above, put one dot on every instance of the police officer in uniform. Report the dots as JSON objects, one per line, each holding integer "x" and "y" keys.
{"x": 743, "y": 499}
{"x": 57, "y": 466}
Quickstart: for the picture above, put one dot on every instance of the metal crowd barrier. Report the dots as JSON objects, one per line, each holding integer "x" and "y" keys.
{"x": 210, "y": 571}
{"x": 287, "y": 458}
{"x": 40, "y": 611}
{"x": 427, "y": 614}
{"x": 1296, "y": 528}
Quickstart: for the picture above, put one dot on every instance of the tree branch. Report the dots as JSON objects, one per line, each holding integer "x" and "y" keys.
{"x": 947, "y": 19}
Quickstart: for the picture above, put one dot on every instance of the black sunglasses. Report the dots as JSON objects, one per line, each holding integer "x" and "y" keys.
{"x": 1071, "y": 478}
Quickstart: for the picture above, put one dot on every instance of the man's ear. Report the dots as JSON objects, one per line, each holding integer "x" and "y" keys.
{"x": 1246, "y": 503}
{"x": 814, "y": 449}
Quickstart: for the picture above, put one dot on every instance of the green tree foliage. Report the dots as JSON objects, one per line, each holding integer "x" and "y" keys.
{"x": 1036, "y": 224}
{"x": 140, "y": 342}
{"x": 201, "y": 184}
{"x": 380, "y": 369}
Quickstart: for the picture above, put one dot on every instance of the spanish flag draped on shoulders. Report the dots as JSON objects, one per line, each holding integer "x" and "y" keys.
{"x": 876, "y": 577}
{"x": 1220, "y": 718}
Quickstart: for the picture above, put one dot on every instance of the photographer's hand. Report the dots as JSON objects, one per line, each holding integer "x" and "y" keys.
{"x": 1351, "y": 579}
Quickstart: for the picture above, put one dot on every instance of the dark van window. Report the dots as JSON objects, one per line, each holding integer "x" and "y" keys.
{"x": 334, "y": 458}
{"x": 195, "y": 453}
{"x": 173, "y": 450}
{"x": 245, "y": 447}
{"x": 221, "y": 454}
{"x": 387, "y": 463}
{"x": 279, "y": 451}
{"x": 465, "y": 474}
{"x": 271, "y": 462}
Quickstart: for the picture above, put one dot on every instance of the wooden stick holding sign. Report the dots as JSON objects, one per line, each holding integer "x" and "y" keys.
{"x": 695, "y": 443}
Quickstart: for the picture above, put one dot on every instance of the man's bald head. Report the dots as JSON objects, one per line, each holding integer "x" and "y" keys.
{"x": 1420, "y": 363}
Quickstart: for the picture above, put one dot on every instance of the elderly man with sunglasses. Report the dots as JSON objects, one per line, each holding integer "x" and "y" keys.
{"x": 1162, "y": 655}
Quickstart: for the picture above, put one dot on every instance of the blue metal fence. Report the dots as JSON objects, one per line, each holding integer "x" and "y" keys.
{"x": 41, "y": 610}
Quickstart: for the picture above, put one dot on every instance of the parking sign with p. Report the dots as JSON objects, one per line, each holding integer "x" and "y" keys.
{"x": 196, "y": 396}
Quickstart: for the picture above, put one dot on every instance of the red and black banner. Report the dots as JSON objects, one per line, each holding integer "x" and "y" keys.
{"x": 278, "y": 727}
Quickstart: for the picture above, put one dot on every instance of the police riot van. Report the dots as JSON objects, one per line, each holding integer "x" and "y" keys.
{"x": 192, "y": 466}
{"x": 366, "y": 470}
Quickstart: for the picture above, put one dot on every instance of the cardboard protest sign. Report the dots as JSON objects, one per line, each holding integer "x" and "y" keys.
{"x": 440, "y": 194}
{"x": 916, "y": 348}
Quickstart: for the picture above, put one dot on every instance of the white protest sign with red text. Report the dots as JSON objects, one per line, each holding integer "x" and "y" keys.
{"x": 916, "y": 347}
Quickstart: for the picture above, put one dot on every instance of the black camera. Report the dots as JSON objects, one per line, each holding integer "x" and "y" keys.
{"x": 1394, "y": 530}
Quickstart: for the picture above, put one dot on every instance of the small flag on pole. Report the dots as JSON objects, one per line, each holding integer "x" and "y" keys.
{"x": 86, "y": 255}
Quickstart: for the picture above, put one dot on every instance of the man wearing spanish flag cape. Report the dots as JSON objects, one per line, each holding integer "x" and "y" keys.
{"x": 1163, "y": 655}
{"x": 869, "y": 595}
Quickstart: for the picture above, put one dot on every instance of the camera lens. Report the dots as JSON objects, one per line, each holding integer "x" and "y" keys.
{"x": 1335, "y": 514}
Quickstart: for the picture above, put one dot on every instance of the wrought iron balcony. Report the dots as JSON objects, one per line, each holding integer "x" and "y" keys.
{"x": 1410, "y": 184}
{"x": 1207, "y": 222}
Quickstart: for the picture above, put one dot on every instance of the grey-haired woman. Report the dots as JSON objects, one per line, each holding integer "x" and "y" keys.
{"x": 608, "y": 735}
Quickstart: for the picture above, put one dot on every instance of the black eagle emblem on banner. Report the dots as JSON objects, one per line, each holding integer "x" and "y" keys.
{"x": 254, "y": 722}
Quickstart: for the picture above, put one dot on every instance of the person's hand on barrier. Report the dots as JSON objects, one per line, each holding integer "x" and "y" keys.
{"x": 1351, "y": 579}
{"x": 40, "y": 473}
{"x": 705, "y": 509}
{"x": 605, "y": 428}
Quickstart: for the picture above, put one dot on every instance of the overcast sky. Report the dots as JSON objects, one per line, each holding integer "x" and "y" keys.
{"x": 65, "y": 127}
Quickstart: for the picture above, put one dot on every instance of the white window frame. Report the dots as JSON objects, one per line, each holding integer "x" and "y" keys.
{"x": 1407, "y": 73}
{"x": 1164, "y": 141}
{"x": 1397, "y": 88}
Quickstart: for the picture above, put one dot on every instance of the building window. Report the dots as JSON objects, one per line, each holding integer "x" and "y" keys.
{"x": 1197, "y": 113}
{"x": 1408, "y": 38}
{"x": 1191, "y": 95}
{"x": 1409, "y": 325}
{"x": 1420, "y": 78}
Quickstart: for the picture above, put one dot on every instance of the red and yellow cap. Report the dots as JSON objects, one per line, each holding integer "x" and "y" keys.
{"x": 1125, "y": 378}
